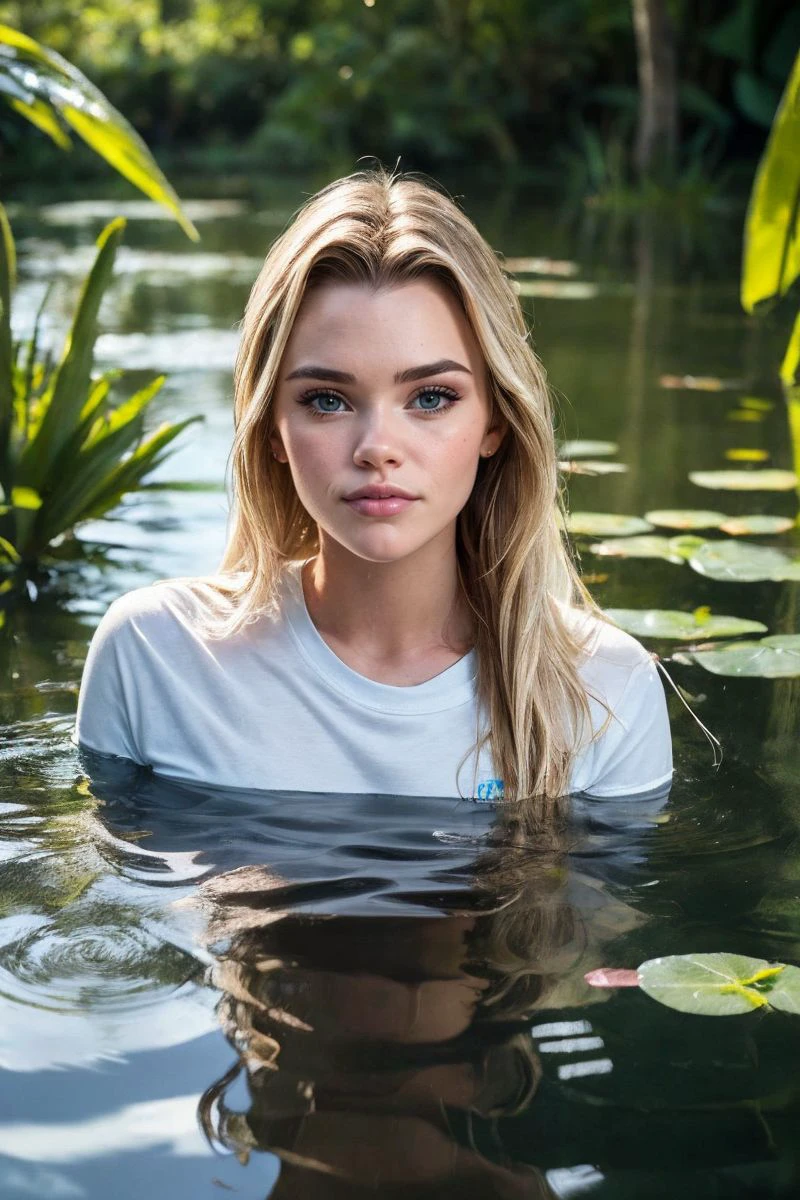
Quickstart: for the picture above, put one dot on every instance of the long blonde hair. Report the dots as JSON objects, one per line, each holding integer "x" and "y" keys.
{"x": 514, "y": 562}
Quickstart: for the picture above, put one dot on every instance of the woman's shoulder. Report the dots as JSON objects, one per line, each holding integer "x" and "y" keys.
{"x": 608, "y": 658}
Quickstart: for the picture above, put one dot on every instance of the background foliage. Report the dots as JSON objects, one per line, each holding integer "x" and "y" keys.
{"x": 503, "y": 83}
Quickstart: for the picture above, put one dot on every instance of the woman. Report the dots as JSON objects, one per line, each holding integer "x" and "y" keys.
{"x": 396, "y": 610}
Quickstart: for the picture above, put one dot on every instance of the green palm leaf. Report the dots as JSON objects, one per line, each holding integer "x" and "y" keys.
{"x": 51, "y": 93}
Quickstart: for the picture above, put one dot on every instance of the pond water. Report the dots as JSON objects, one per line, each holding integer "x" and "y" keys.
{"x": 400, "y": 982}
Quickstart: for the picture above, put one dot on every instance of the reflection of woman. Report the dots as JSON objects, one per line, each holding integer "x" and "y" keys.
{"x": 396, "y": 611}
{"x": 372, "y": 1045}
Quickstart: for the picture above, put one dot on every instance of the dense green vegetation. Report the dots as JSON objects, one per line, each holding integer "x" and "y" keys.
{"x": 501, "y": 83}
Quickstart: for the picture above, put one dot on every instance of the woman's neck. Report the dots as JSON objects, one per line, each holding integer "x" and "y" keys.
{"x": 400, "y": 622}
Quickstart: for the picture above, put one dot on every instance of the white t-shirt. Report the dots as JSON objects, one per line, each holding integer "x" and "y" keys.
{"x": 274, "y": 708}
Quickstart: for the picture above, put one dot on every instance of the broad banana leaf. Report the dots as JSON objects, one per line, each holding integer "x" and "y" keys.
{"x": 772, "y": 230}
{"x": 51, "y": 93}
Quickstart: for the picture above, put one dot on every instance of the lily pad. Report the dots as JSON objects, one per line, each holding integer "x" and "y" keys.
{"x": 776, "y": 657}
{"x": 758, "y": 523}
{"x": 580, "y": 448}
{"x": 606, "y": 524}
{"x": 744, "y": 454}
{"x": 740, "y": 562}
{"x": 685, "y": 544}
{"x": 685, "y": 518}
{"x": 589, "y": 466}
{"x": 645, "y": 546}
{"x": 716, "y": 985}
{"x": 767, "y": 480}
{"x": 785, "y": 994}
{"x": 682, "y": 626}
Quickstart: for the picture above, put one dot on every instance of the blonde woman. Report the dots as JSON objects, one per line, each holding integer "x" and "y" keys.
{"x": 396, "y": 610}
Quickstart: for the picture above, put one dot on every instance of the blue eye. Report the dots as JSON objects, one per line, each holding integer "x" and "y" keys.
{"x": 435, "y": 399}
{"x": 321, "y": 403}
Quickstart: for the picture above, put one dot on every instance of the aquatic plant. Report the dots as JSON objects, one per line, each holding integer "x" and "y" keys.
{"x": 56, "y": 97}
{"x": 68, "y": 452}
{"x": 712, "y": 985}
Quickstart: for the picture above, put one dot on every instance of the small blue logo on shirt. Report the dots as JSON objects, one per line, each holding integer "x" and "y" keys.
{"x": 489, "y": 789}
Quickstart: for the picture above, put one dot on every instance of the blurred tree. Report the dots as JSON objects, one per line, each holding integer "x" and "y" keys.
{"x": 657, "y": 134}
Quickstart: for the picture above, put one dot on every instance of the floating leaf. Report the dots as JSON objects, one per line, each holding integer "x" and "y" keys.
{"x": 715, "y": 985}
{"x": 785, "y": 994}
{"x": 758, "y": 523}
{"x": 697, "y": 383}
{"x": 580, "y": 448}
{"x": 741, "y": 562}
{"x": 685, "y": 544}
{"x": 540, "y": 266}
{"x": 592, "y": 467}
{"x": 747, "y": 415}
{"x": 685, "y": 518}
{"x": 746, "y": 481}
{"x": 745, "y": 455}
{"x": 682, "y": 626}
{"x": 645, "y": 546}
{"x": 757, "y": 404}
{"x": 605, "y": 524}
{"x": 558, "y": 289}
{"x": 776, "y": 657}
{"x": 612, "y": 977}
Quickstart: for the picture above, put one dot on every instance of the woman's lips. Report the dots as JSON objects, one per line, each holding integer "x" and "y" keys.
{"x": 380, "y": 506}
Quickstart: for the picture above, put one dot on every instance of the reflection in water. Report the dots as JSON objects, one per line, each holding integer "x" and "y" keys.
{"x": 401, "y": 983}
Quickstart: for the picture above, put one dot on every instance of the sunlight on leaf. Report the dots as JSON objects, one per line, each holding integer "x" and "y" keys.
{"x": 747, "y": 416}
{"x": 746, "y": 455}
{"x": 746, "y": 481}
{"x": 681, "y": 626}
{"x": 581, "y": 448}
{"x": 592, "y": 467}
{"x": 732, "y": 561}
{"x": 776, "y": 657}
{"x": 772, "y": 234}
{"x": 605, "y": 524}
{"x": 763, "y": 524}
{"x": 685, "y": 518}
{"x": 644, "y": 546}
{"x": 716, "y": 985}
{"x": 685, "y": 544}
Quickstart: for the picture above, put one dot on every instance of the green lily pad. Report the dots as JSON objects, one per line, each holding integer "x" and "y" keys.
{"x": 714, "y": 985}
{"x": 768, "y": 480}
{"x": 776, "y": 657}
{"x": 731, "y": 561}
{"x": 644, "y": 546}
{"x": 685, "y": 518}
{"x": 591, "y": 466}
{"x": 606, "y": 524}
{"x": 740, "y": 526}
{"x": 785, "y": 994}
{"x": 580, "y": 448}
{"x": 682, "y": 626}
{"x": 685, "y": 544}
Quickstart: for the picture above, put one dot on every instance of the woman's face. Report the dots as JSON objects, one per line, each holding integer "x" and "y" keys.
{"x": 384, "y": 391}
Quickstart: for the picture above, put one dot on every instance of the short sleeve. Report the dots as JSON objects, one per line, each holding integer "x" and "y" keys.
{"x": 634, "y": 755}
{"x": 107, "y": 693}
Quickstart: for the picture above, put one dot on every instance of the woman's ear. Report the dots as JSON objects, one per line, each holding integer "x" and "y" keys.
{"x": 494, "y": 435}
{"x": 276, "y": 445}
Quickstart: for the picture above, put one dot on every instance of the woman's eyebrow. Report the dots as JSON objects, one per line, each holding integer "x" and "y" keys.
{"x": 411, "y": 373}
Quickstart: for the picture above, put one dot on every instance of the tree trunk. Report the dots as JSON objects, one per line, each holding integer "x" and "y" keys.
{"x": 657, "y": 134}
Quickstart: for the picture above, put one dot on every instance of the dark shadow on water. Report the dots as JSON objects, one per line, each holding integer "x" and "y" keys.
{"x": 400, "y": 981}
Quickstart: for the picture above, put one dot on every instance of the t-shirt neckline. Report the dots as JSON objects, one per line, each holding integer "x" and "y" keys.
{"x": 454, "y": 686}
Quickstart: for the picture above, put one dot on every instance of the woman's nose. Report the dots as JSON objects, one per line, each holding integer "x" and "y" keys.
{"x": 378, "y": 443}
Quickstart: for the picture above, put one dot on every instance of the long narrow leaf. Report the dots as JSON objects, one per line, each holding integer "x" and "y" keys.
{"x": 42, "y": 79}
{"x": 74, "y": 372}
{"x": 772, "y": 231}
{"x": 8, "y": 270}
{"x": 129, "y": 473}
